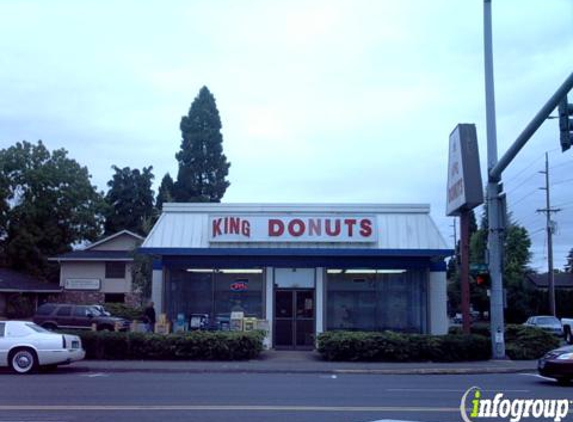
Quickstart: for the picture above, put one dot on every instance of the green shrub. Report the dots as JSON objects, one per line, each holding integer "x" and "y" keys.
{"x": 122, "y": 310}
{"x": 196, "y": 345}
{"x": 521, "y": 342}
{"x": 389, "y": 346}
{"x": 528, "y": 342}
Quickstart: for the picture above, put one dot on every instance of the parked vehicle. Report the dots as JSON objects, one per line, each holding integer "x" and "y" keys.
{"x": 25, "y": 346}
{"x": 54, "y": 316}
{"x": 546, "y": 322}
{"x": 567, "y": 324}
{"x": 557, "y": 364}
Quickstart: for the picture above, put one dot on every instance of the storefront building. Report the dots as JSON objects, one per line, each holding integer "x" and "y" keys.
{"x": 304, "y": 268}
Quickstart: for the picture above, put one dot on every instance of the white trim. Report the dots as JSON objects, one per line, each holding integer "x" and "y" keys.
{"x": 295, "y": 208}
{"x": 269, "y": 305}
{"x": 320, "y": 304}
{"x": 79, "y": 259}
{"x": 113, "y": 236}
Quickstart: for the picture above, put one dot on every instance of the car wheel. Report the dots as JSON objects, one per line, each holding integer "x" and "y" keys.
{"x": 23, "y": 361}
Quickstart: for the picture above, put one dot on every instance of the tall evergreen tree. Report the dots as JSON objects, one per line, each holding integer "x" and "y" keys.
{"x": 129, "y": 200}
{"x": 165, "y": 192}
{"x": 203, "y": 167}
{"x": 569, "y": 265}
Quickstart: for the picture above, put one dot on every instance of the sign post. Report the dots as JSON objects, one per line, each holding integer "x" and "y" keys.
{"x": 464, "y": 194}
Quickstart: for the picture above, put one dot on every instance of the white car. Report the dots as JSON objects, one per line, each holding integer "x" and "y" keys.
{"x": 25, "y": 346}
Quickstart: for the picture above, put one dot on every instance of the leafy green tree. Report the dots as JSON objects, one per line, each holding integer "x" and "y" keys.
{"x": 203, "y": 167}
{"x": 129, "y": 200}
{"x": 165, "y": 192}
{"x": 47, "y": 205}
{"x": 515, "y": 268}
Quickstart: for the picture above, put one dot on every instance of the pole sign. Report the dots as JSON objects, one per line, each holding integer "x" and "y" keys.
{"x": 465, "y": 190}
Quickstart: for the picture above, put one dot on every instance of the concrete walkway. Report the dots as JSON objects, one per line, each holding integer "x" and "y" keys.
{"x": 305, "y": 362}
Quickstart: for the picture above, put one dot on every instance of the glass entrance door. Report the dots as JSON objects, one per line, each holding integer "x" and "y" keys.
{"x": 294, "y": 319}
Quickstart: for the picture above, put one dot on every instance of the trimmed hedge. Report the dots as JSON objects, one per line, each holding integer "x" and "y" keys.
{"x": 389, "y": 346}
{"x": 196, "y": 345}
{"x": 122, "y": 310}
{"x": 521, "y": 342}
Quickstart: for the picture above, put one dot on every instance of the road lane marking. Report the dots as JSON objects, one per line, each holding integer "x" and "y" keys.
{"x": 446, "y": 390}
{"x": 47, "y": 408}
{"x": 536, "y": 376}
{"x": 97, "y": 374}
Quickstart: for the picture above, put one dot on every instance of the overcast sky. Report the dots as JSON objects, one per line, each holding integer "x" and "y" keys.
{"x": 321, "y": 101}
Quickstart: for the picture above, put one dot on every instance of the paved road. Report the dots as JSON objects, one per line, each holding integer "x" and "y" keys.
{"x": 71, "y": 395}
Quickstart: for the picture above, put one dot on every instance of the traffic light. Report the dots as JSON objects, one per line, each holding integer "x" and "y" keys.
{"x": 565, "y": 124}
{"x": 483, "y": 279}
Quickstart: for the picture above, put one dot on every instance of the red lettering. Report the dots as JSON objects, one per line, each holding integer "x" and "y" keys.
{"x": 328, "y": 227}
{"x": 217, "y": 227}
{"x": 314, "y": 227}
{"x": 350, "y": 222}
{"x": 234, "y": 225}
{"x": 246, "y": 228}
{"x": 365, "y": 227}
{"x": 296, "y": 227}
{"x": 276, "y": 227}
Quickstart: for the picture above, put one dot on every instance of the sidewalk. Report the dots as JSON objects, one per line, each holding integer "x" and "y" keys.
{"x": 306, "y": 362}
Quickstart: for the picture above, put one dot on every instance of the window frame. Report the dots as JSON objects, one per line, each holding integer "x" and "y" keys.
{"x": 113, "y": 273}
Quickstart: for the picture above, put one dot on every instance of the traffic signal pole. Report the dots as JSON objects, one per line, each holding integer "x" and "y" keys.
{"x": 494, "y": 199}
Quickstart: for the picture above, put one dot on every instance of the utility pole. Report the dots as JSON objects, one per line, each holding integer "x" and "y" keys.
{"x": 550, "y": 228}
{"x": 493, "y": 200}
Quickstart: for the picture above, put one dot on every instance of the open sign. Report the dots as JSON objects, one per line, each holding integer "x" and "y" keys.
{"x": 240, "y": 285}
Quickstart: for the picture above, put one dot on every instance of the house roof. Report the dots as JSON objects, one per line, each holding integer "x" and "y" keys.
{"x": 88, "y": 255}
{"x": 113, "y": 236}
{"x": 15, "y": 281}
{"x": 562, "y": 280}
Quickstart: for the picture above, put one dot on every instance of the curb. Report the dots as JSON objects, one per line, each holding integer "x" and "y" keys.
{"x": 413, "y": 371}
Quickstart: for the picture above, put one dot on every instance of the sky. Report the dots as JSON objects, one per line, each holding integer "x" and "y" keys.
{"x": 321, "y": 101}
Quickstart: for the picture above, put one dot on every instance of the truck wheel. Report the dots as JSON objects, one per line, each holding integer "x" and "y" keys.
{"x": 23, "y": 361}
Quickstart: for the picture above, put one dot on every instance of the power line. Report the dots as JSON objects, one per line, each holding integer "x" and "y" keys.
{"x": 524, "y": 197}
{"x": 562, "y": 181}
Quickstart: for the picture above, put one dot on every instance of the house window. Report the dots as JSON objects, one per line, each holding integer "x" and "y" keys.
{"x": 114, "y": 269}
{"x": 114, "y": 298}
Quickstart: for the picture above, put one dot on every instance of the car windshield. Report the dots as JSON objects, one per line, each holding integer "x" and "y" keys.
{"x": 37, "y": 328}
{"x": 547, "y": 320}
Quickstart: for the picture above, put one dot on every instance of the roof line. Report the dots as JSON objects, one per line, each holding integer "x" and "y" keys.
{"x": 295, "y": 207}
{"x": 113, "y": 236}
{"x": 89, "y": 259}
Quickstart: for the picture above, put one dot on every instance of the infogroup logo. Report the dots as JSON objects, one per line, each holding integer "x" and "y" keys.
{"x": 474, "y": 406}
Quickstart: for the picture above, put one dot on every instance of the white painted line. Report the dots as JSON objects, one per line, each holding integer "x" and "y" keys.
{"x": 285, "y": 408}
{"x": 445, "y": 390}
{"x": 536, "y": 376}
{"x": 97, "y": 374}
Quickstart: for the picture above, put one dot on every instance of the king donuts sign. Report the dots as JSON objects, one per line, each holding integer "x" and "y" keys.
{"x": 350, "y": 229}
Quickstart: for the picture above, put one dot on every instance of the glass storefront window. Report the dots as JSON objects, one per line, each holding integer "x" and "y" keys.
{"x": 215, "y": 293}
{"x": 372, "y": 300}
